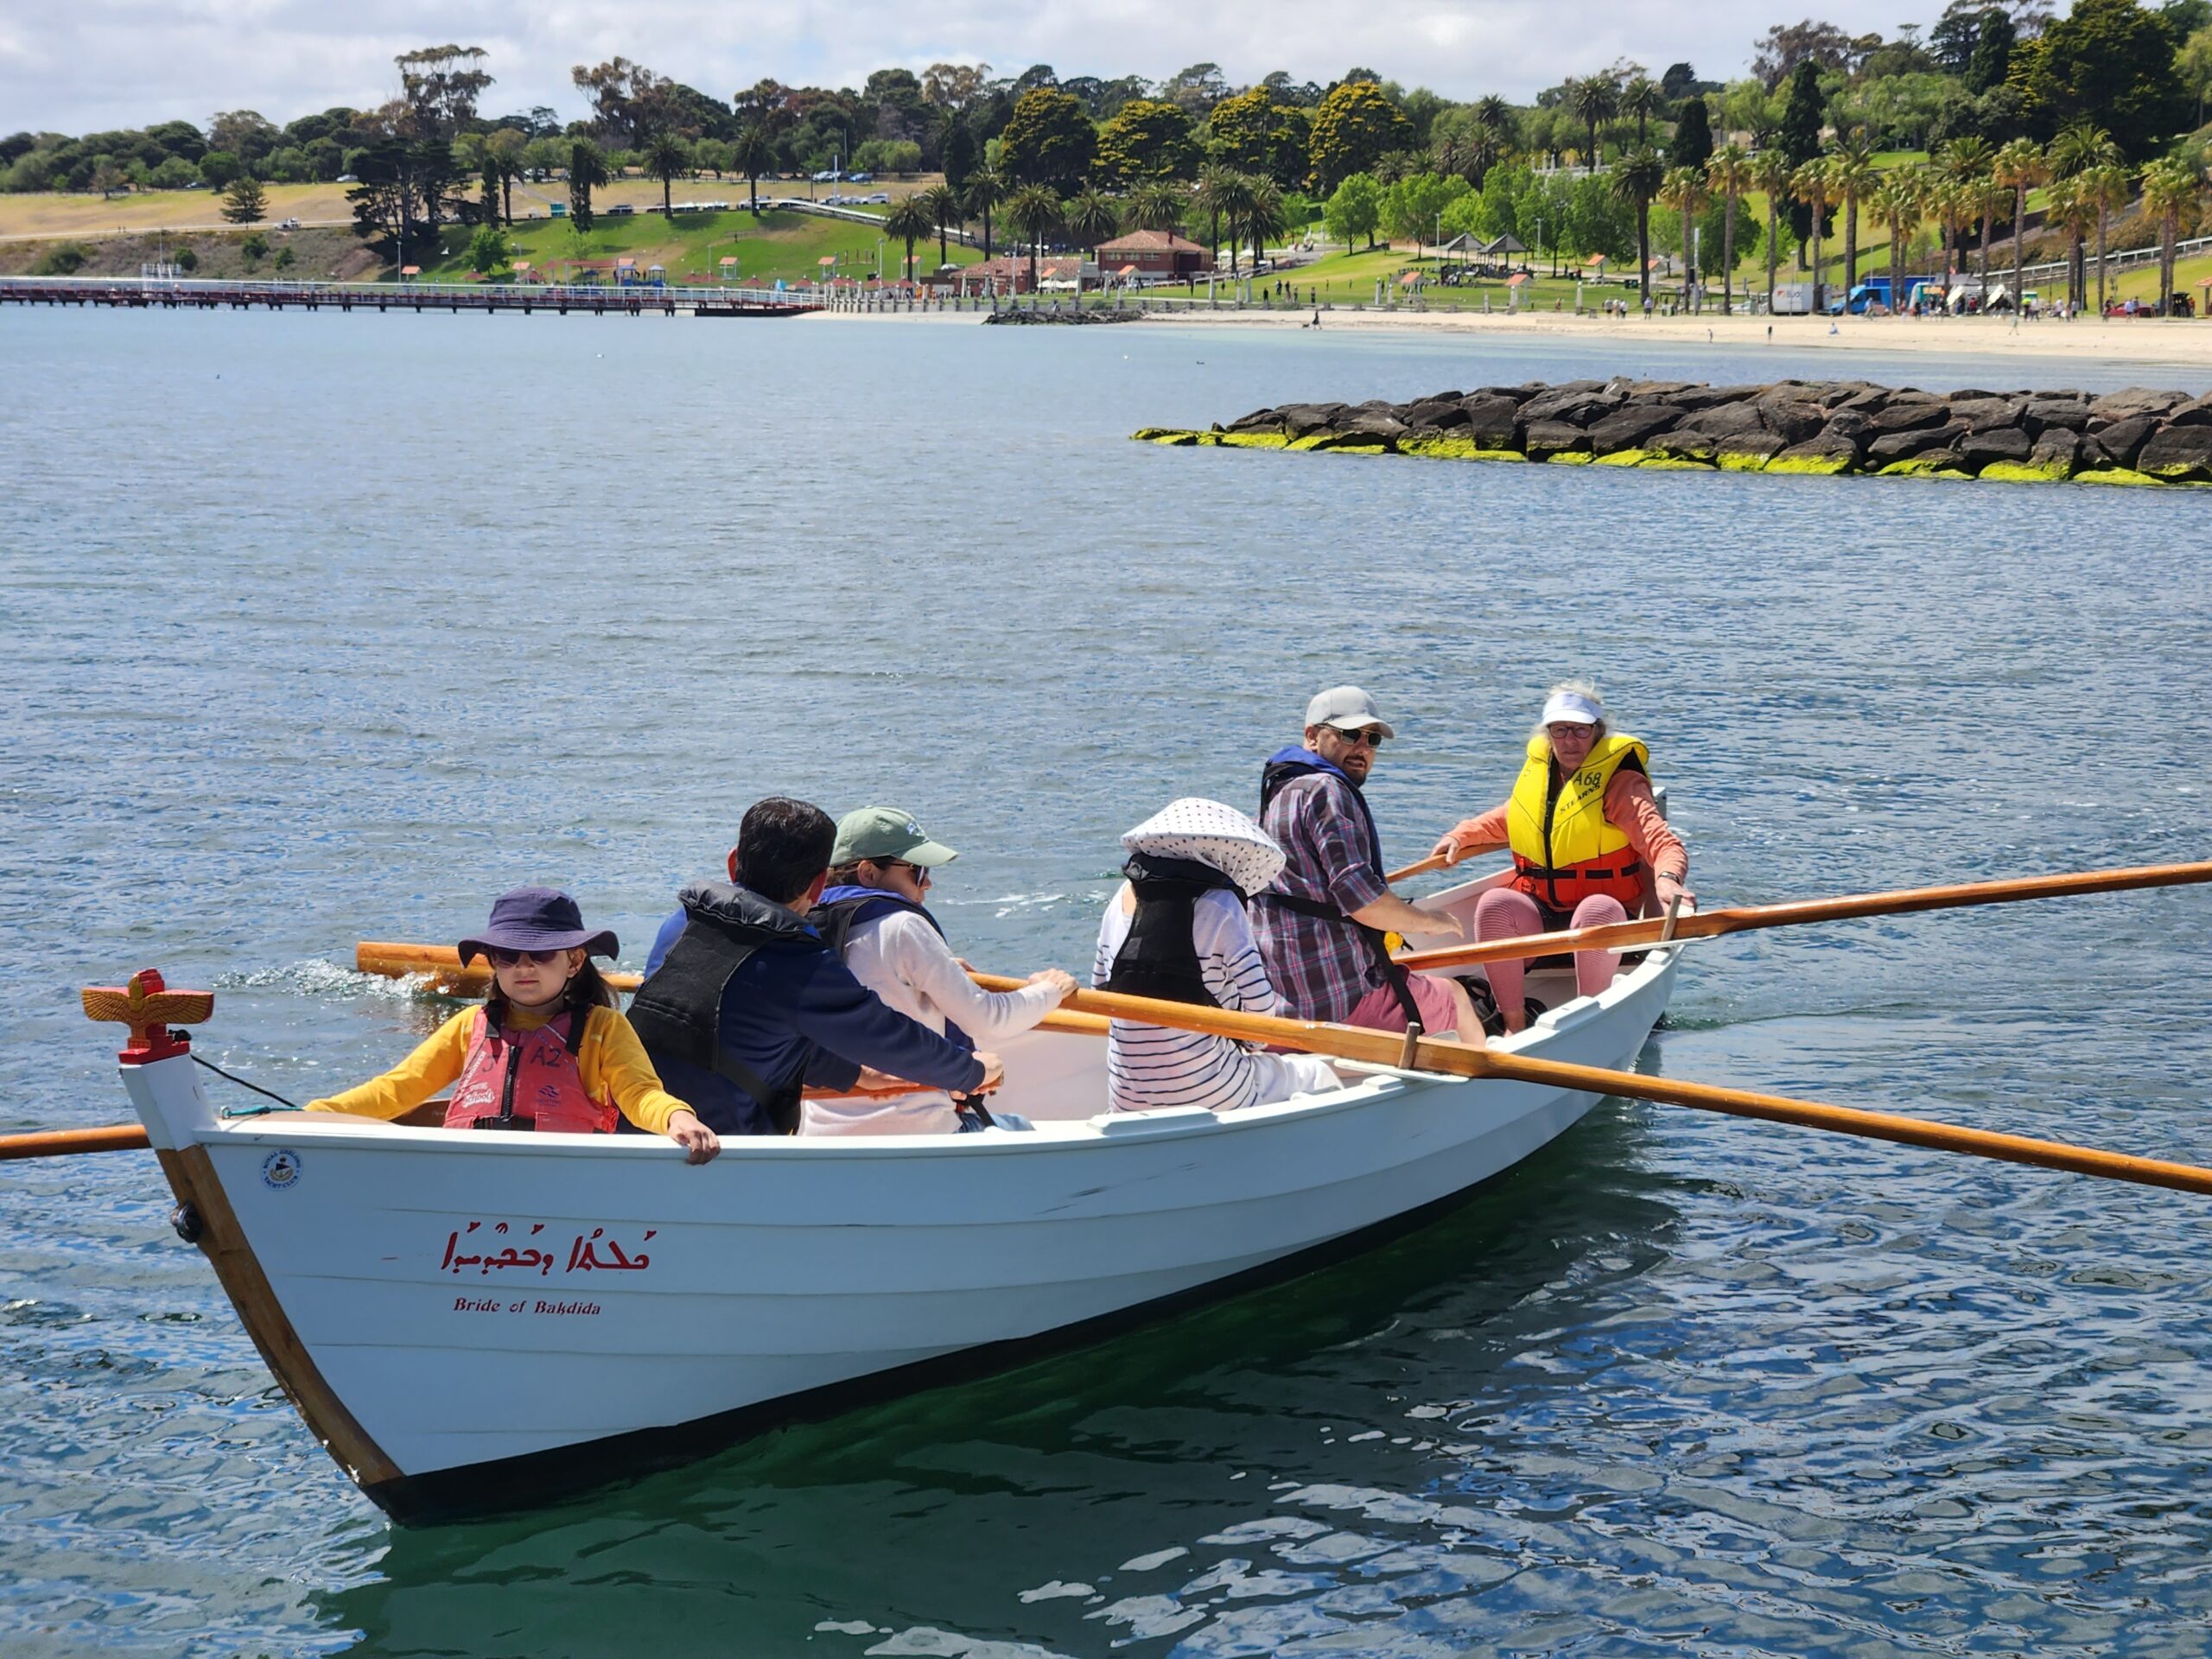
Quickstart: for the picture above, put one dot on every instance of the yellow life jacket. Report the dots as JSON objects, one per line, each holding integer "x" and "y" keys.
{"x": 1565, "y": 848}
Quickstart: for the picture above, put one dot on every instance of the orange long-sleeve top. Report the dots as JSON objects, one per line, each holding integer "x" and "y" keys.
{"x": 611, "y": 1060}
{"x": 1629, "y": 807}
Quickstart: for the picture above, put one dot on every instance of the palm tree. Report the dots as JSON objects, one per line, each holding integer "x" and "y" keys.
{"x": 1729, "y": 172}
{"x": 2070, "y": 203}
{"x": 2080, "y": 149}
{"x": 1771, "y": 173}
{"x": 1221, "y": 192}
{"x": 986, "y": 189}
{"x": 2109, "y": 190}
{"x": 2169, "y": 189}
{"x": 1895, "y": 201}
{"x": 1033, "y": 210}
{"x": 1642, "y": 100}
{"x": 1595, "y": 99}
{"x": 1682, "y": 189}
{"x": 2016, "y": 166}
{"x": 1262, "y": 217}
{"x": 753, "y": 154}
{"x": 944, "y": 203}
{"x": 1851, "y": 175}
{"x": 911, "y": 221}
{"x": 1488, "y": 139}
{"x": 1809, "y": 184}
{"x": 1448, "y": 154}
{"x": 666, "y": 156}
{"x": 1159, "y": 205}
{"x": 1966, "y": 157}
{"x": 1091, "y": 219}
{"x": 1636, "y": 178}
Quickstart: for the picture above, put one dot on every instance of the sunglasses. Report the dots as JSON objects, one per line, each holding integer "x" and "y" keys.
{"x": 1369, "y": 736}
{"x": 502, "y": 958}
{"x": 921, "y": 875}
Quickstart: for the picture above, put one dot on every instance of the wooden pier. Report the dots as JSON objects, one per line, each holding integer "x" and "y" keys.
{"x": 634, "y": 300}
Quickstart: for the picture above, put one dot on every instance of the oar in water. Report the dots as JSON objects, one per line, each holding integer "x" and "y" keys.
{"x": 1711, "y": 924}
{"x": 1356, "y": 1043}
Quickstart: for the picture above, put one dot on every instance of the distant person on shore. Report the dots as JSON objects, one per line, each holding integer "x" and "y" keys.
{"x": 743, "y": 1005}
{"x": 1590, "y": 845}
{"x": 1177, "y": 930}
{"x": 547, "y": 1051}
{"x": 873, "y": 914}
{"x": 1320, "y": 923}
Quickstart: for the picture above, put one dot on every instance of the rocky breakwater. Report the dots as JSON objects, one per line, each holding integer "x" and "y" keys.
{"x": 2136, "y": 437}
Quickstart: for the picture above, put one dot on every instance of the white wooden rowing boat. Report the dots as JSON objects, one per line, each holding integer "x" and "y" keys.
{"x": 474, "y": 1321}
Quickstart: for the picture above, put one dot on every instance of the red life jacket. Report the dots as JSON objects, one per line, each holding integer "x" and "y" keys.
{"x": 528, "y": 1074}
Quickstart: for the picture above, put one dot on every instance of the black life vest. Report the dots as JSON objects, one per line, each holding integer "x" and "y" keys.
{"x": 1281, "y": 768}
{"x": 1158, "y": 958}
{"x": 678, "y": 1009}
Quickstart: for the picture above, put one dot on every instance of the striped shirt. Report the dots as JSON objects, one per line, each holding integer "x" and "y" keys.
{"x": 1150, "y": 1066}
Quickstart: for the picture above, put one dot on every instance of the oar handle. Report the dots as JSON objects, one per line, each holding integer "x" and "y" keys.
{"x": 1433, "y": 861}
{"x": 55, "y": 1143}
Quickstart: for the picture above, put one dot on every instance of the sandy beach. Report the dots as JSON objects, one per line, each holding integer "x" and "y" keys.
{"x": 2172, "y": 345}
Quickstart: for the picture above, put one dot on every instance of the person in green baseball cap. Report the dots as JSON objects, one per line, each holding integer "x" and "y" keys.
{"x": 874, "y": 915}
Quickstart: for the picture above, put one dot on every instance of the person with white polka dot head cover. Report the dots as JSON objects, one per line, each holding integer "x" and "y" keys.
{"x": 1176, "y": 930}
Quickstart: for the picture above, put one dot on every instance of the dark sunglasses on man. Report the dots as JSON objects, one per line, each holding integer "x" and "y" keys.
{"x": 1366, "y": 735}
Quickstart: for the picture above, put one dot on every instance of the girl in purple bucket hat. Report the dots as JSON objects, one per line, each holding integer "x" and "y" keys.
{"x": 547, "y": 1051}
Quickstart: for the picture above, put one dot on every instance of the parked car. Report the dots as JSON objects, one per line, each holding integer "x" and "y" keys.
{"x": 860, "y": 178}
{"x": 348, "y": 178}
{"x": 881, "y": 195}
{"x": 288, "y": 224}
{"x": 620, "y": 209}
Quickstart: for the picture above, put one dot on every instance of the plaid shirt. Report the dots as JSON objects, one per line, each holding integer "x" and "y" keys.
{"x": 1321, "y": 967}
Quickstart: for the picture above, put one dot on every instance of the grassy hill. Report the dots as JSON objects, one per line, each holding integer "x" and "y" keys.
{"x": 692, "y": 246}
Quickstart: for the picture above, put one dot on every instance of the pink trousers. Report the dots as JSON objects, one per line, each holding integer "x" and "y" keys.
{"x": 1501, "y": 913}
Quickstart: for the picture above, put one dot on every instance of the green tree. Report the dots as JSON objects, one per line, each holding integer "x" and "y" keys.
{"x": 1729, "y": 174}
{"x": 909, "y": 220}
{"x": 1048, "y": 140}
{"x": 1770, "y": 171}
{"x": 1684, "y": 189}
{"x": 488, "y": 253}
{"x": 1992, "y": 61}
{"x": 1595, "y": 100}
{"x": 2078, "y": 152}
{"x": 986, "y": 189}
{"x": 2109, "y": 61}
{"x": 959, "y": 152}
{"x": 1411, "y": 206}
{"x": 1254, "y": 132}
{"x": 944, "y": 203}
{"x": 1147, "y": 139}
{"x": 505, "y": 148}
{"x": 666, "y": 156}
{"x": 1641, "y": 98}
{"x": 2110, "y": 189}
{"x": 245, "y": 202}
{"x": 1033, "y": 210}
{"x": 587, "y": 172}
{"x": 1800, "y": 135}
{"x": 1353, "y": 209}
{"x": 1851, "y": 175}
{"x": 2016, "y": 167}
{"x": 2171, "y": 189}
{"x": 1092, "y": 217}
{"x": 1355, "y": 128}
{"x": 753, "y": 154}
{"x": 1263, "y": 219}
{"x": 1692, "y": 144}
{"x": 1226, "y": 194}
{"x": 2194, "y": 62}
{"x": 1161, "y": 205}
{"x": 1636, "y": 178}
{"x": 1810, "y": 185}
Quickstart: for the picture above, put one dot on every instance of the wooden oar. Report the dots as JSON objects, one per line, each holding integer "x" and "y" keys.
{"x": 441, "y": 964}
{"x": 1711, "y": 924}
{"x": 1433, "y": 861}
{"x": 1356, "y": 1043}
{"x": 54, "y": 1143}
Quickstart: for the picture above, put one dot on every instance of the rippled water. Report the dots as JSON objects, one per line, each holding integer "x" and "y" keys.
{"x": 315, "y": 628}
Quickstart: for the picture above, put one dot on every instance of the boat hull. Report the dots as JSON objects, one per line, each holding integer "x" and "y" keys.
{"x": 472, "y": 1322}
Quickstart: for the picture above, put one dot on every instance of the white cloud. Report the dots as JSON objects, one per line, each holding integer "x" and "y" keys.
{"x": 95, "y": 64}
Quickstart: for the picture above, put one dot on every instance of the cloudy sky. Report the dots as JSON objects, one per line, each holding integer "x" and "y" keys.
{"x": 85, "y": 65}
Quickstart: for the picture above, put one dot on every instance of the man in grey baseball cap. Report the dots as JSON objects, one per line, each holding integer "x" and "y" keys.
{"x": 1319, "y": 926}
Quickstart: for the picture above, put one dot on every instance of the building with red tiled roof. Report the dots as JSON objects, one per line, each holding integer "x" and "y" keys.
{"x": 1154, "y": 253}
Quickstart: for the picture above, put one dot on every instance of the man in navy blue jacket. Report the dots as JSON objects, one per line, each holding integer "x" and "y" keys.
{"x": 743, "y": 1006}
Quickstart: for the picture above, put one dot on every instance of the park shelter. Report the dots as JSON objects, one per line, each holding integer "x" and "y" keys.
{"x": 1507, "y": 245}
{"x": 1154, "y": 253}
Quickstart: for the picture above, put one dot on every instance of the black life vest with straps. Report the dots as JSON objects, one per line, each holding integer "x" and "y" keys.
{"x": 1159, "y": 958}
{"x": 1281, "y": 768}
{"x": 678, "y": 1011}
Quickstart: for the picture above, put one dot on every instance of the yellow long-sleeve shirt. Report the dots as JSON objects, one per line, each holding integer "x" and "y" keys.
{"x": 611, "y": 1060}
